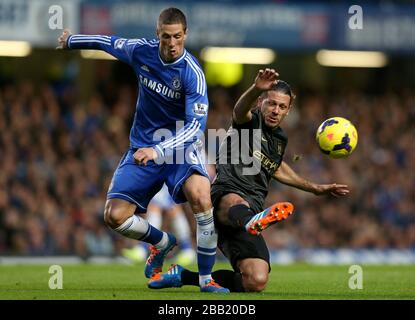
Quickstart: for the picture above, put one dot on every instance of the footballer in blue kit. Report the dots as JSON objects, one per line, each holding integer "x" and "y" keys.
{"x": 171, "y": 113}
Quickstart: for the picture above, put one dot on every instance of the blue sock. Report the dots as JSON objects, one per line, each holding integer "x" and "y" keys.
{"x": 152, "y": 236}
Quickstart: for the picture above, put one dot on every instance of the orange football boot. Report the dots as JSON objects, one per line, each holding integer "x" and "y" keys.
{"x": 276, "y": 213}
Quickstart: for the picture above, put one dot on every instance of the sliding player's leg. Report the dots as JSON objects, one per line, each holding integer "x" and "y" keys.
{"x": 235, "y": 210}
{"x": 241, "y": 216}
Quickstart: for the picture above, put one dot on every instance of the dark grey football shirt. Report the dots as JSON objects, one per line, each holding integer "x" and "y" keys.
{"x": 248, "y": 148}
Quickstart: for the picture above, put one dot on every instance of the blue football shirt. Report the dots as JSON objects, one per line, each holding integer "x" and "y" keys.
{"x": 172, "y": 105}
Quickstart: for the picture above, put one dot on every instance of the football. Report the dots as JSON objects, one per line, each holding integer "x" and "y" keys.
{"x": 337, "y": 137}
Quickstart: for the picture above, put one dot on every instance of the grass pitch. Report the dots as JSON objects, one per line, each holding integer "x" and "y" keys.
{"x": 127, "y": 282}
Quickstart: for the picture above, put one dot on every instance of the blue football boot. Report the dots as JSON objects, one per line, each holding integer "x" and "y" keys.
{"x": 154, "y": 263}
{"x": 213, "y": 287}
{"x": 171, "y": 279}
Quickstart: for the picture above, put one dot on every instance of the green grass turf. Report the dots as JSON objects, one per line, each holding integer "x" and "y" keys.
{"x": 299, "y": 281}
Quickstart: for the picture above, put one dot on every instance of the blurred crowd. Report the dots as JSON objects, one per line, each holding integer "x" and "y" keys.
{"x": 58, "y": 155}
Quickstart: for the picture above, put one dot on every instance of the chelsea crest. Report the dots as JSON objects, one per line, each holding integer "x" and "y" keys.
{"x": 177, "y": 85}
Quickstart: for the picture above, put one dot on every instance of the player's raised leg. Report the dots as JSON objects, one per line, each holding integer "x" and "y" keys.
{"x": 241, "y": 216}
{"x": 197, "y": 191}
{"x": 235, "y": 211}
{"x": 119, "y": 216}
{"x": 128, "y": 195}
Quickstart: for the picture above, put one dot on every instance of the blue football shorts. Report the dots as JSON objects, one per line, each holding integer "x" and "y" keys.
{"x": 139, "y": 183}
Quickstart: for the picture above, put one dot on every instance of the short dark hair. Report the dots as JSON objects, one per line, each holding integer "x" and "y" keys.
{"x": 172, "y": 16}
{"x": 283, "y": 87}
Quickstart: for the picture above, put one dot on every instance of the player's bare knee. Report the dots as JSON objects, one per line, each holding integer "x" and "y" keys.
{"x": 114, "y": 216}
{"x": 254, "y": 274}
{"x": 255, "y": 287}
{"x": 260, "y": 281}
{"x": 199, "y": 200}
{"x": 255, "y": 281}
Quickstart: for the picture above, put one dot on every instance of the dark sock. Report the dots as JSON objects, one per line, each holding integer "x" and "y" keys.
{"x": 190, "y": 278}
{"x": 229, "y": 279}
{"x": 226, "y": 278}
{"x": 239, "y": 215}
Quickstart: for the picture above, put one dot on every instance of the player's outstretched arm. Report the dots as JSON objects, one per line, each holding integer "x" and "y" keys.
{"x": 263, "y": 81}
{"x": 120, "y": 48}
{"x": 285, "y": 174}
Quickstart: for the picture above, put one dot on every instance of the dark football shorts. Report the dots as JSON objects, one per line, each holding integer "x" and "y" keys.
{"x": 237, "y": 244}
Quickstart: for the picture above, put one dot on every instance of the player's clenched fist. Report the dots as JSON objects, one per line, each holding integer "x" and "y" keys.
{"x": 142, "y": 155}
{"x": 63, "y": 38}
